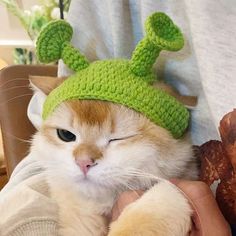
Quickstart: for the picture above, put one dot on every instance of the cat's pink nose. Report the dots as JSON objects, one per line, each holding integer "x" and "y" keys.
{"x": 85, "y": 164}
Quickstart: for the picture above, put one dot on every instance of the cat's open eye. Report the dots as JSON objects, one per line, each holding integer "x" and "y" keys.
{"x": 66, "y": 135}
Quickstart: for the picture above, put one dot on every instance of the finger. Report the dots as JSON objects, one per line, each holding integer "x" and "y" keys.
{"x": 208, "y": 217}
{"x": 125, "y": 199}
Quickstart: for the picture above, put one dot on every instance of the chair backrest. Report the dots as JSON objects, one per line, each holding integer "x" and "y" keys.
{"x": 15, "y": 95}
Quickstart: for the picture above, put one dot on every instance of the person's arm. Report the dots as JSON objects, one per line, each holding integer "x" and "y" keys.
{"x": 207, "y": 218}
{"x": 27, "y": 209}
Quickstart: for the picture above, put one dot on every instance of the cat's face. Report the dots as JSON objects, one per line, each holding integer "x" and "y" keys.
{"x": 102, "y": 147}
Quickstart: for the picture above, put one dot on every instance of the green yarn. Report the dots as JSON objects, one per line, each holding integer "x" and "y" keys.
{"x": 119, "y": 81}
{"x": 143, "y": 60}
{"x": 162, "y": 34}
{"x": 53, "y": 44}
{"x": 73, "y": 58}
{"x": 111, "y": 80}
{"x": 52, "y": 39}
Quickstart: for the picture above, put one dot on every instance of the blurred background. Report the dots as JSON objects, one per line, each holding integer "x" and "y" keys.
{"x": 21, "y": 21}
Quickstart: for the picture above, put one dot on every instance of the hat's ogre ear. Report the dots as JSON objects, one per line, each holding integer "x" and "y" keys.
{"x": 45, "y": 84}
{"x": 161, "y": 34}
{"x": 53, "y": 44}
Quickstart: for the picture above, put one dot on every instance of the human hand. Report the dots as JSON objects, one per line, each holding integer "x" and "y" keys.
{"x": 124, "y": 199}
{"x": 207, "y": 218}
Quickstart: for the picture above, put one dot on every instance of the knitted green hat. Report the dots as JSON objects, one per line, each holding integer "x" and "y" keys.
{"x": 126, "y": 82}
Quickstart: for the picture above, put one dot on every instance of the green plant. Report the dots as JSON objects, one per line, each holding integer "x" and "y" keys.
{"x": 23, "y": 56}
{"x": 32, "y": 21}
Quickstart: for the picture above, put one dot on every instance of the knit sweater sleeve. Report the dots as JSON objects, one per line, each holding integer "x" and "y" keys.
{"x": 27, "y": 209}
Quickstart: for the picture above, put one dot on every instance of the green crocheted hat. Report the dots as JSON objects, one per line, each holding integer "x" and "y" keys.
{"x": 126, "y": 82}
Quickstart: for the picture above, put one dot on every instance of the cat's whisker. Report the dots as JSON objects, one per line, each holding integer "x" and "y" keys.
{"x": 12, "y": 99}
{"x": 150, "y": 177}
{"x": 131, "y": 174}
{"x": 124, "y": 180}
{"x": 137, "y": 173}
{"x": 14, "y": 87}
{"x": 15, "y": 137}
{"x": 126, "y": 185}
{"x": 13, "y": 80}
{"x": 120, "y": 179}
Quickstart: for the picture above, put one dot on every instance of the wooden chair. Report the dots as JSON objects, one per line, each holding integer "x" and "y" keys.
{"x": 15, "y": 95}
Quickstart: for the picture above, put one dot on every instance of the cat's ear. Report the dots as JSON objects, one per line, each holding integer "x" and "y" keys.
{"x": 188, "y": 101}
{"x": 42, "y": 86}
{"x": 45, "y": 84}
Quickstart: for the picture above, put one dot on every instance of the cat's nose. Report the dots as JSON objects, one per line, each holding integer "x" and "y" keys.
{"x": 85, "y": 164}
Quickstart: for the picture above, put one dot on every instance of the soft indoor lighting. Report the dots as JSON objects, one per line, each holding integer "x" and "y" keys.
{"x": 2, "y": 64}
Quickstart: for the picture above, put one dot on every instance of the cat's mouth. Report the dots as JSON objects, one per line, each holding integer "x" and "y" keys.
{"x": 84, "y": 179}
{"x": 87, "y": 176}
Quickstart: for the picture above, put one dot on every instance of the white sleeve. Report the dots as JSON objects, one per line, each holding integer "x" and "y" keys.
{"x": 27, "y": 209}
{"x": 27, "y": 168}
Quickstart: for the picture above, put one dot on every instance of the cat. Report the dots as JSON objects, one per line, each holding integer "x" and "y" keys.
{"x": 94, "y": 150}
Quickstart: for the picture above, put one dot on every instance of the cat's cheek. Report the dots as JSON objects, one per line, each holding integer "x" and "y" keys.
{"x": 135, "y": 155}
{"x": 58, "y": 158}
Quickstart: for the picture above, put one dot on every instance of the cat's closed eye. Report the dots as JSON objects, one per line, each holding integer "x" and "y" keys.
{"x": 115, "y": 139}
{"x": 65, "y": 135}
{"x": 123, "y": 138}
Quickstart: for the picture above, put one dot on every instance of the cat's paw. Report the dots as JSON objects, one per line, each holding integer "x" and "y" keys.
{"x": 161, "y": 211}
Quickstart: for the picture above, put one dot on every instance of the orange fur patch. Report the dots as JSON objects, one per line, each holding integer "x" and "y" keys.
{"x": 46, "y": 83}
{"x": 87, "y": 150}
{"x": 91, "y": 112}
{"x": 48, "y": 131}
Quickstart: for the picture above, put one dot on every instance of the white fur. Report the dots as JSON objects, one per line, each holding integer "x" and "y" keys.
{"x": 84, "y": 201}
{"x": 35, "y": 109}
{"x": 162, "y": 204}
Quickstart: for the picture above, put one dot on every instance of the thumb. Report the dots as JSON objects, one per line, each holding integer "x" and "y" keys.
{"x": 123, "y": 200}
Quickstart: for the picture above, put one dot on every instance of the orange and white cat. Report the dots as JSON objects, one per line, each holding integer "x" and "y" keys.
{"x": 94, "y": 150}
